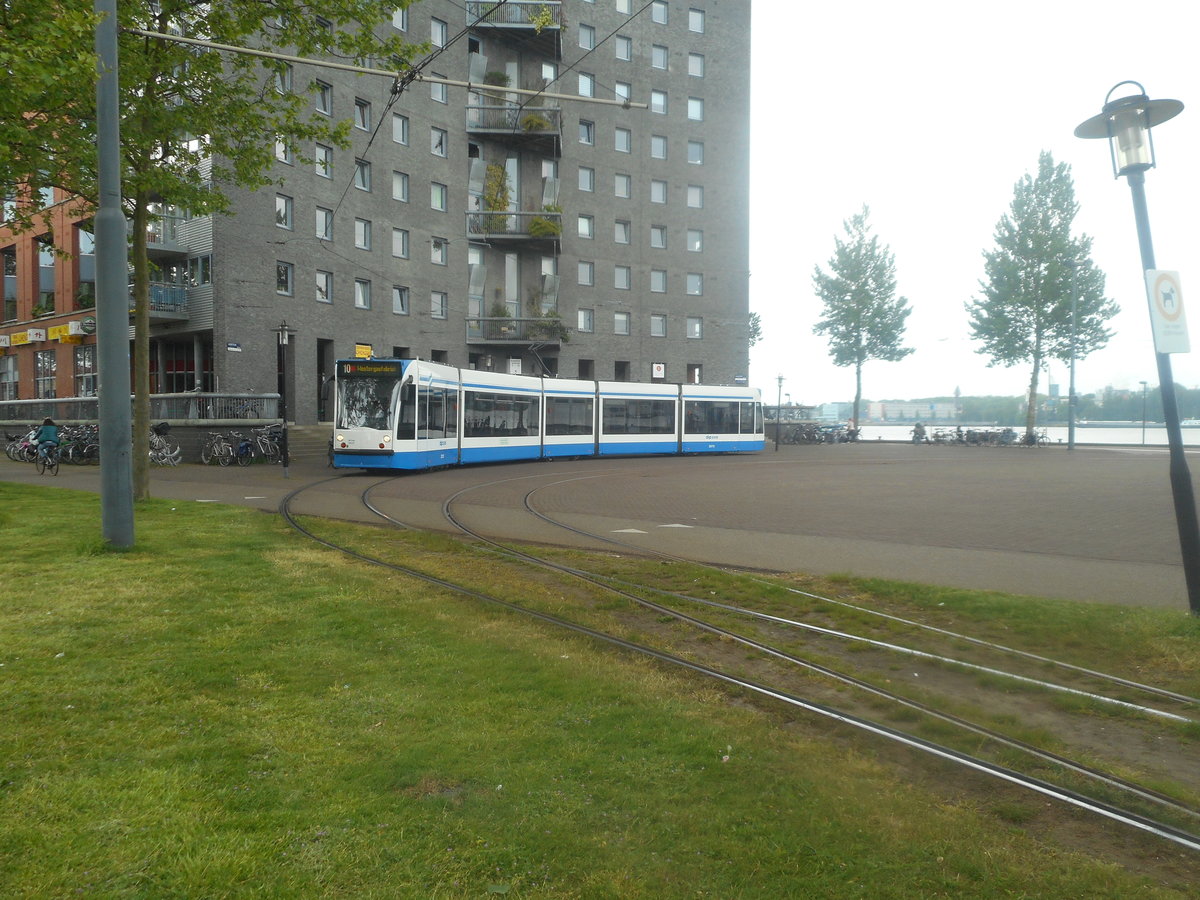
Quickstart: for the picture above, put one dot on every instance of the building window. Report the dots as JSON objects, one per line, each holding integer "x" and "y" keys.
{"x": 362, "y": 114}
{"x": 438, "y": 92}
{"x": 283, "y": 212}
{"x": 399, "y": 300}
{"x": 284, "y": 279}
{"x": 324, "y": 286}
{"x": 586, "y": 227}
{"x": 695, "y": 373}
{"x": 658, "y": 102}
{"x": 323, "y": 158}
{"x": 283, "y": 153}
{"x": 622, "y": 278}
{"x": 623, "y": 140}
{"x": 696, "y": 153}
{"x": 400, "y": 186}
{"x": 400, "y": 129}
{"x": 587, "y": 179}
{"x": 283, "y": 79}
{"x": 622, "y": 185}
{"x": 658, "y": 191}
{"x": 621, "y": 323}
{"x": 400, "y": 19}
{"x": 658, "y": 12}
{"x": 696, "y": 20}
{"x": 658, "y": 56}
{"x": 324, "y": 223}
{"x": 622, "y": 231}
{"x": 400, "y": 243}
{"x": 695, "y": 196}
{"x": 624, "y": 6}
{"x": 695, "y": 284}
{"x": 438, "y": 139}
{"x": 438, "y": 304}
{"x": 587, "y": 37}
{"x": 658, "y": 325}
{"x": 362, "y": 293}
{"x": 10, "y": 378}
{"x": 437, "y": 196}
{"x": 438, "y": 247}
{"x": 587, "y": 273}
{"x": 587, "y": 132}
{"x": 696, "y": 109}
{"x": 658, "y": 237}
{"x": 695, "y": 328}
{"x": 438, "y": 32}
{"x": 362, "y": 234}
{"x": 587, "y": 320}
{"x": 45, "y": 370}
{"x": 658, "y": 146}
{"x": 587, "y": 84}
{"x": 658, "y": 281}
{"x": 696, "y": 64}
{"x": 324, "y": 98}
{"x": 624, "y": 47}
{"x": 199, "y": 271}
{"x": 695, "y": 240}
{"x": 362, "y": 175}
{"x": 85, "y": 370}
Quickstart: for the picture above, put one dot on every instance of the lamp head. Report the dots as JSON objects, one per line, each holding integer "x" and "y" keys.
{"x": 1126, "y": 122}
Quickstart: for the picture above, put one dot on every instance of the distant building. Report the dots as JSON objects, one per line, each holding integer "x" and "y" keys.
{"x": 480, "y": 228}
{"x": 905, "y": 411}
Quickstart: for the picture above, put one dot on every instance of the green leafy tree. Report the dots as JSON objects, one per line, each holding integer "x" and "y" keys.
{"x": 194, "y": 121}
{"x": 863, "y": 318}
{"x": 754, "y": 328}
{"x": 1036, "y": 268}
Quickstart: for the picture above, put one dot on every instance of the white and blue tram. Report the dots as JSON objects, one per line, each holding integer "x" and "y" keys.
{"x": 413, "y": 414}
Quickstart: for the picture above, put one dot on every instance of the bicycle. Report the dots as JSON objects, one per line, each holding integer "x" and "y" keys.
{"x": 217, "y": 448}
{"x": 47, "y": 460}
{"x": 162, "y": 451}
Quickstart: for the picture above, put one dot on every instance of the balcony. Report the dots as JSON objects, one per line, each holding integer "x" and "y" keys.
{"x": 499, "y": 226}
{"x": 168, "y": 301}
{"x": 536, "y": 23}
{"x": 162, "y": 236}
{"x": 540, "y": 126}
{"x": 510, "y": 330}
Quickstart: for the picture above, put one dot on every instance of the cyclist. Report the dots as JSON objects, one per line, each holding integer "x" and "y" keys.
{"x": 46, "y": 436}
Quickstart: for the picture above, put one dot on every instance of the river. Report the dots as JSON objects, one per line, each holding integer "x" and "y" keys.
{"x": 1155, "y": 435}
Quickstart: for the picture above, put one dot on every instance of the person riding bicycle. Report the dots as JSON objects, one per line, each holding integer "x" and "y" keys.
{"x": 46, "y": 436}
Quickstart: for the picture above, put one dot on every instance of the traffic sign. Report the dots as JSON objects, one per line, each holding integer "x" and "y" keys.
{"x": 1167, "y": 316}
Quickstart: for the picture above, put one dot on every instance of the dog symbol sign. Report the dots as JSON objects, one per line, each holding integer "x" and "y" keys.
{"x": 1167, "y": 316}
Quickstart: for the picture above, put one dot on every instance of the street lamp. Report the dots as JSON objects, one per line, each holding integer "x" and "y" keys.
{"x": 283, "y": 333}
{"x": 778, "y": 407}
{"x": 1126, "y": 123}
{"x": 1074, "y": 264}
{"x": 1143, "y": 414}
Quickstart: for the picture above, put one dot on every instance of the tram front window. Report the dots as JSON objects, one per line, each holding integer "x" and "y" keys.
{"x": 367, "y": 402}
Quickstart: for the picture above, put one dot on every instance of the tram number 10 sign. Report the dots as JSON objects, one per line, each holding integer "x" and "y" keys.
{"x": 1167, "y": 316}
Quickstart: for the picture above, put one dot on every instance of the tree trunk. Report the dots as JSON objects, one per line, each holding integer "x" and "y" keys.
{"x": 857, "y": 392}
{"x": 141, "y": 351}
{"x": 1031, "y": 411}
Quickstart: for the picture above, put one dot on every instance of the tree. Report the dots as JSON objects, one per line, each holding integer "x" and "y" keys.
{"x": 1032, "y": 275}
{"x": 194, "y": 121}
{"x": 754, "y": 328}
{"x": 863, "y": 317}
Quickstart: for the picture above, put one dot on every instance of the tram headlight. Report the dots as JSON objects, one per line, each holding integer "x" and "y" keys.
{"x": 340, "y": 438}
{"x": 387, "y": 438}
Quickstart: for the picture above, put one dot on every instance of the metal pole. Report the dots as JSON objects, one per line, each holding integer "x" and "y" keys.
{"x": 1074, "y": 326}
{"x": 1181, "y": 478}
{"x": 281, "y": 363}
{"x": 1143, "y": 413}
{"x": 112, "y": 296}
{"x": 778, "y": 404}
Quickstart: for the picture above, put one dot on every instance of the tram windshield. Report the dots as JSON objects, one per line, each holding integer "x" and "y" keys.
{"x": 368, "y": 394}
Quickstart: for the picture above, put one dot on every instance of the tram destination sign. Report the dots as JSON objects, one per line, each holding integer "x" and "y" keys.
{"x": 370, "y": 367}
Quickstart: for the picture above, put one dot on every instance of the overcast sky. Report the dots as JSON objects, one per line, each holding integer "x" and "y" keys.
{"x": 929, "y": 112}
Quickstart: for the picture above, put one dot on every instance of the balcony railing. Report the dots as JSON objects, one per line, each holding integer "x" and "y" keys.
{"x": 517, "y": 225}
{"x": 530, "y": 121}
{"x": 177, "y": 408}
{"x": 507, "y": 329}
{"x": 536, "y": 14}
{"x": 167, "y": 299}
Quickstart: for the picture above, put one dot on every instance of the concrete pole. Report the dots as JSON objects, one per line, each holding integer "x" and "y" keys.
{"x": 112, "y": 296}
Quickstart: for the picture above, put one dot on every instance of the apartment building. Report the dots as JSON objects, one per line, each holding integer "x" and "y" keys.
{"x": 478, "y": 226}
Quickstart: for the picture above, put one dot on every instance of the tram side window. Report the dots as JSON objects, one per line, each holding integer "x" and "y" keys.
{"x": 406, "y": 427}
{"x": 639, "y": 417}
{"x": 569, "y": 415}
{"x": 751, "y": 418}
{"x": 438, "y": 413}
{"x": 499, "y": 415}
{"x": 711, "y": 417}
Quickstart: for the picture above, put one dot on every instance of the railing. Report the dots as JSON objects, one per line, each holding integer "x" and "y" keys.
{"x": 519, "y": 13}
{"x": 515, "y": 119}
{"x": 185, "y": 407}
{"x": 168, "y": 297}
{"x": 498, "y": 223}
{"x": 164, "y": 230}
{"x": 506, "y": 328}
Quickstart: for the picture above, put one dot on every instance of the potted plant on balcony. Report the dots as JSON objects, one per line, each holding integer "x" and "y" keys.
{"x": 547, "y": 325}
{"x": 499, "y": 326}
{"x": 534, "y": 122}
{"x": 495, "y": 199}
{"x": 544, "y": 226}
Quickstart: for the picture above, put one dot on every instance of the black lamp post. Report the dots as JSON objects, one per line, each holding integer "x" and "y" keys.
{"x": 778, "y": 408}
{"x": 283, "y": 333}
{"x": 1126, "y": 123}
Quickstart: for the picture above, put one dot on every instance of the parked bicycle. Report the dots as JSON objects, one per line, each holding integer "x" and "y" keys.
{"x": 163, "y": 451}
{"x": 217, "y": 448}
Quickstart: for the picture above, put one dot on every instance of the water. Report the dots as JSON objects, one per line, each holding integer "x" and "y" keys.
{"x": 1156, "y": 435}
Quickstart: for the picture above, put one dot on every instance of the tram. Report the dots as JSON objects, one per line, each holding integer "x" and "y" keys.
{"x": 412, "y": 414}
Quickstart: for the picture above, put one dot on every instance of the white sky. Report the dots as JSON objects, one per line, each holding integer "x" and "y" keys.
{"x": 929, "y": 112}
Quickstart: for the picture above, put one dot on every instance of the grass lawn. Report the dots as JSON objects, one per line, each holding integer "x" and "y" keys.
{"x": 229, "y": 711}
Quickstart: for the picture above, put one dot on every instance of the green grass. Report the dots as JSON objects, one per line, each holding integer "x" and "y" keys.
{"x": 228, "y": 711}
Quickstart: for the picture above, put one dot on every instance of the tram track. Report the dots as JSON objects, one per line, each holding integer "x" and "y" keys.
{"x": 1108, "y": 782}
